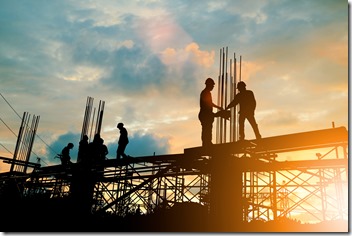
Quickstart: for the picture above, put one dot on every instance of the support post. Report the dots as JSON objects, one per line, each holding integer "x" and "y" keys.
{"x": 226, "y": 208}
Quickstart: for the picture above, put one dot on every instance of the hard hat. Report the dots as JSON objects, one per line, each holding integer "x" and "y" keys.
{"x": 209, "y": 81}
{"x": 241, "y": 84}
{"x": 120, "y": 125}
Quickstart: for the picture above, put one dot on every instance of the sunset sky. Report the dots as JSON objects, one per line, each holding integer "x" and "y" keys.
{"x": 148, "y": 61}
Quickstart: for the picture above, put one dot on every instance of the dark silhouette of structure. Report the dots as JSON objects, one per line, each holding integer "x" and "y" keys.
{"x": 245, "y": 98}
{"x": 231, "y": 186}
{"x": 206, "y": 114}
{"x": 123, "y": 141}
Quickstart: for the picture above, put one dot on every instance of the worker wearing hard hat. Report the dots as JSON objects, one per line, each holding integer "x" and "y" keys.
{"x": 206, "y": 115}
{"x": 248, "y": 104}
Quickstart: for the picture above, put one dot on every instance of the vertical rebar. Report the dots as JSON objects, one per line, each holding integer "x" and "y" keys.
{"x": 83, "y": 132}
{"x": 218, "y": 102}
{"x": 96, "y": 131}
{"x": 19, "y": 140}
{"x": 222, "y": 92}
{"x": 100, "y": 116}
{"x": 240, "y": 68}
{"x": 234, "y": 114}
{"x": 91, "y": 127}
{"x": 33, "y": 131}
{"x": 225, "y": 95}
{"x": 231, "y": 98}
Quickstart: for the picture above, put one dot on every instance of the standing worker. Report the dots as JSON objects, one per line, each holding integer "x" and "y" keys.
{"x": 83, "y": 149}
{"x": 123, "y": 141}
{"x": 206, "y": 115}
{"x": 248, "y": 104}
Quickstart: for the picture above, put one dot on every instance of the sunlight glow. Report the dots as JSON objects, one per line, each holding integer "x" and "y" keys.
{"x": 84, "y": 73}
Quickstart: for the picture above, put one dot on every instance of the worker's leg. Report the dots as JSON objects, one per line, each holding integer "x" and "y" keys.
{"x": 241, "y": 120}
{"x": 207, "y": 130}
{"x": 118, "y": 152}
{"x": 254, "y": 125}
{"x": 207, "y": 134}
{"x": 123, "y": 148}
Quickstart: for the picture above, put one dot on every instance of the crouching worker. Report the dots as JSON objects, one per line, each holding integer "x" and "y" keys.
{"x": 65, "y": 155}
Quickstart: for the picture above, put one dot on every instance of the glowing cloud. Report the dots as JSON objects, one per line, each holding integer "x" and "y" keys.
{"x": 191, "y": 53}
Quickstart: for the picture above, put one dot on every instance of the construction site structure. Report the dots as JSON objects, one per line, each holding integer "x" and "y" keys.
{"x": 285, "y": 176}
{"x": 235, "y": 181}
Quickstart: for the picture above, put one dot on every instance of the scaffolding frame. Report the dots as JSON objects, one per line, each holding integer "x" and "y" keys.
{"x": 318, "y": 190}
{"x": 313, "y": 186}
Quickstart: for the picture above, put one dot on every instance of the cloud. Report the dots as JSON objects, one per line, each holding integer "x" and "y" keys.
{"x": 160, "y": 32}
{"x": 148, "y": 60}
{"x": 191, "y": 53}
{"x": 134, "y": 71}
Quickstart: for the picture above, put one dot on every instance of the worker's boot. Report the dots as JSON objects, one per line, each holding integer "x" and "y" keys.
{"x": 256, "y": 132}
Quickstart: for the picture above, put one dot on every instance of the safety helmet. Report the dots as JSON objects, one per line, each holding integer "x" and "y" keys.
{"x": 120, "y": 125}
{"x": 241, "y": 84}
{"x": 70, "y": 145}
{"x": 209, "y": 81}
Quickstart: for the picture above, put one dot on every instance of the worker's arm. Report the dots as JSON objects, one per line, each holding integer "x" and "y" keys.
{"x": 233, "y": 103}
{"x": 218, "y": 107}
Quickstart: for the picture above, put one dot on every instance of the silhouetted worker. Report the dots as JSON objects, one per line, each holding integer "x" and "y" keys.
{"x": 123, "y": 141}
{"x": 82, "y": 149}
{"x": 206, "y": 115}
{"x": 65, "y": 155}
{"x": 94, "y": 150}
{"x": 248, "y": 104}
{"x": 103, "y": 149}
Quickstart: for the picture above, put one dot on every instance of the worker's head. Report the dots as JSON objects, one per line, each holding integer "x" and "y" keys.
{"x": 70, "y": 145}
{"x": 119, "y": 125}
{"x": 241, "y": 86}
{"x": 209, "y": 81}
{"x": 96, "y": 137}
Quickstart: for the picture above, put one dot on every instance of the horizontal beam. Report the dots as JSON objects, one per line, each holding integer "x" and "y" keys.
{"x": 19, "y": 162}
{"x": 276, "y": 144}
{"x": 195, "y": 156}
{"x": 256, "y": 165}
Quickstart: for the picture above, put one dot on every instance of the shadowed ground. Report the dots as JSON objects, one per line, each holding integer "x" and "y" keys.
{"x": 59, "y": 215}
